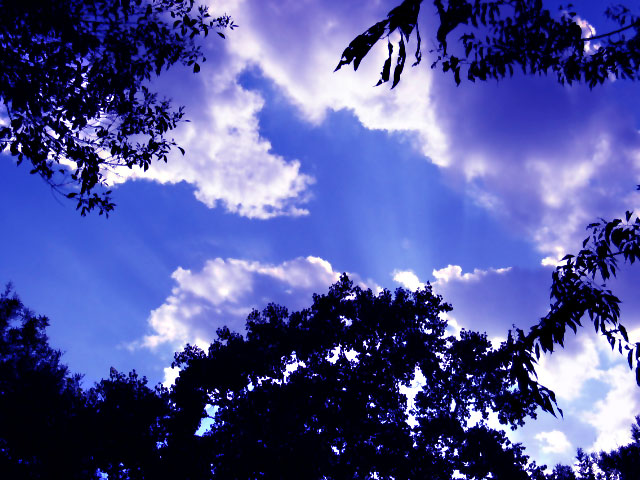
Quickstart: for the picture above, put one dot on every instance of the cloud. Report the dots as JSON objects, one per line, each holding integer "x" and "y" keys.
{"x": 546, "y": 163}
{"x": 227, "y": 160}
{"x": 407, "y": 279}
{"x": 553, "y": 442}
{"x": 489, "y": 300}
{"x": 613, "y": 415}
{"x": 454, "y": 273}
{"x": 225, "y": 291}
{"x": 559, "y": 371}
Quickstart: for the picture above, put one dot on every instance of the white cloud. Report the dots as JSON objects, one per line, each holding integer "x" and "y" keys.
{"x": 227, "y": 160}
{"x": 225, "y": 291}
{"x": 612, "y": 416}
{"x": 559, "y": 371}
{"x": 454, "y": 273}
{"x": 588, "y": 30}
{"x": 407, "y": 279}
{"x": 554, "y": 441}
{"x": 546, "y": 163}
{"x": 450, "y": 273}
{"x": 170, "y": 375}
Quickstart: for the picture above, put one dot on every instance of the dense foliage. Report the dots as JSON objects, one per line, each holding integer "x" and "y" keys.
{"x": 357, "y": 386}
{"x": 320, "y": 393}
{"x": 51, "y": 428}
{"x": 74, "y": 86}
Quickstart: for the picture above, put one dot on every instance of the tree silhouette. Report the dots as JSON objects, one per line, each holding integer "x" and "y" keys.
{"x": 622, "y": 463}
{"x": 51, "y": 428}
{"x": 319, "y": 393}
{"x": 41, "y": 405}
{"x": 74, "y": 86}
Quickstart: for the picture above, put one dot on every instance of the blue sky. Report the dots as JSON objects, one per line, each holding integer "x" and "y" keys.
{"x": 294, "y": 174}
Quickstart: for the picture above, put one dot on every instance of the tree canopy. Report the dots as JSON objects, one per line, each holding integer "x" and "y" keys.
{"x": 51, "y": 428}
{"x": 74, "y": 84}
{"x": 321, "y": 393}
{"x": 358, "y": 385}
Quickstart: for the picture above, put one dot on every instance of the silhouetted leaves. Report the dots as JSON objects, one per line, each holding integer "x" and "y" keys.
{"x": 319, "y": 393}
{"x": 495, "y": 37}
{"x": 74, "y": 85}
{"x": 579, "y": 291}
{"x": 50, "y": 428}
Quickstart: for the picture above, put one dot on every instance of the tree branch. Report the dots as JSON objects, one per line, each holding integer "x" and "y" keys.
{"x": 597, "y": 37}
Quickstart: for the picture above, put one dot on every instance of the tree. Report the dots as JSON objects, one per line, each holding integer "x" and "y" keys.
{"x": 75, "y": 86}
{"x": 51, "y": 428}
{"x": 128, "y": 427}
{"x": 496, "y": 37}
{"x": 622, "y": 463}
{"x": 41, "y": 404}
{"x": 319, "y": 393}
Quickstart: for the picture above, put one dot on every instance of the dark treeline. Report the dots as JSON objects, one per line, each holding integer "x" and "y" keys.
{"x": 313, "y": 394}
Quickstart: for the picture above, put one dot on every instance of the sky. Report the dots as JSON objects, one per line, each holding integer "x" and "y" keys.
{"x": 294, "y": 174}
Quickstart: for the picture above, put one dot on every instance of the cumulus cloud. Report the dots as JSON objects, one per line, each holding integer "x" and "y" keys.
{"x": 454, "y": 273}
{"x": 559, "y": 371}
{"x": 408, "y": 279}
{"x": 612, "y": 416}
{"x": 554, "y": 441}
{"x": 547, "y": 163}
{"x": 225, "y": 291}
{"x": 487, "y": 300}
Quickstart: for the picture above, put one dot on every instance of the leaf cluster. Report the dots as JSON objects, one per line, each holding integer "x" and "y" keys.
{"x": 579, "y": 291}
{"x": 74, "y": 85}
{"x": 493, "y": 38}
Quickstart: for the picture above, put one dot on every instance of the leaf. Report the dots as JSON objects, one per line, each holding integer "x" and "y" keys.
{"x": 402, "y": 54}
{"x": 361, "y": 45}
{"x": 623, "y": 332}
{"x": 386, "y": 68}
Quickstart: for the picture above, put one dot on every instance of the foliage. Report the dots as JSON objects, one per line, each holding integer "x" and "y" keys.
{"x": 320, "y": 393}
{"x": 128, "y": 421}
{"x": 75, "y": 85}
{"x": 51, "y": 428}
{"x": 496, "y": 37}
{"x": 41, "y": 406}
{"x": 579, "y": 288}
